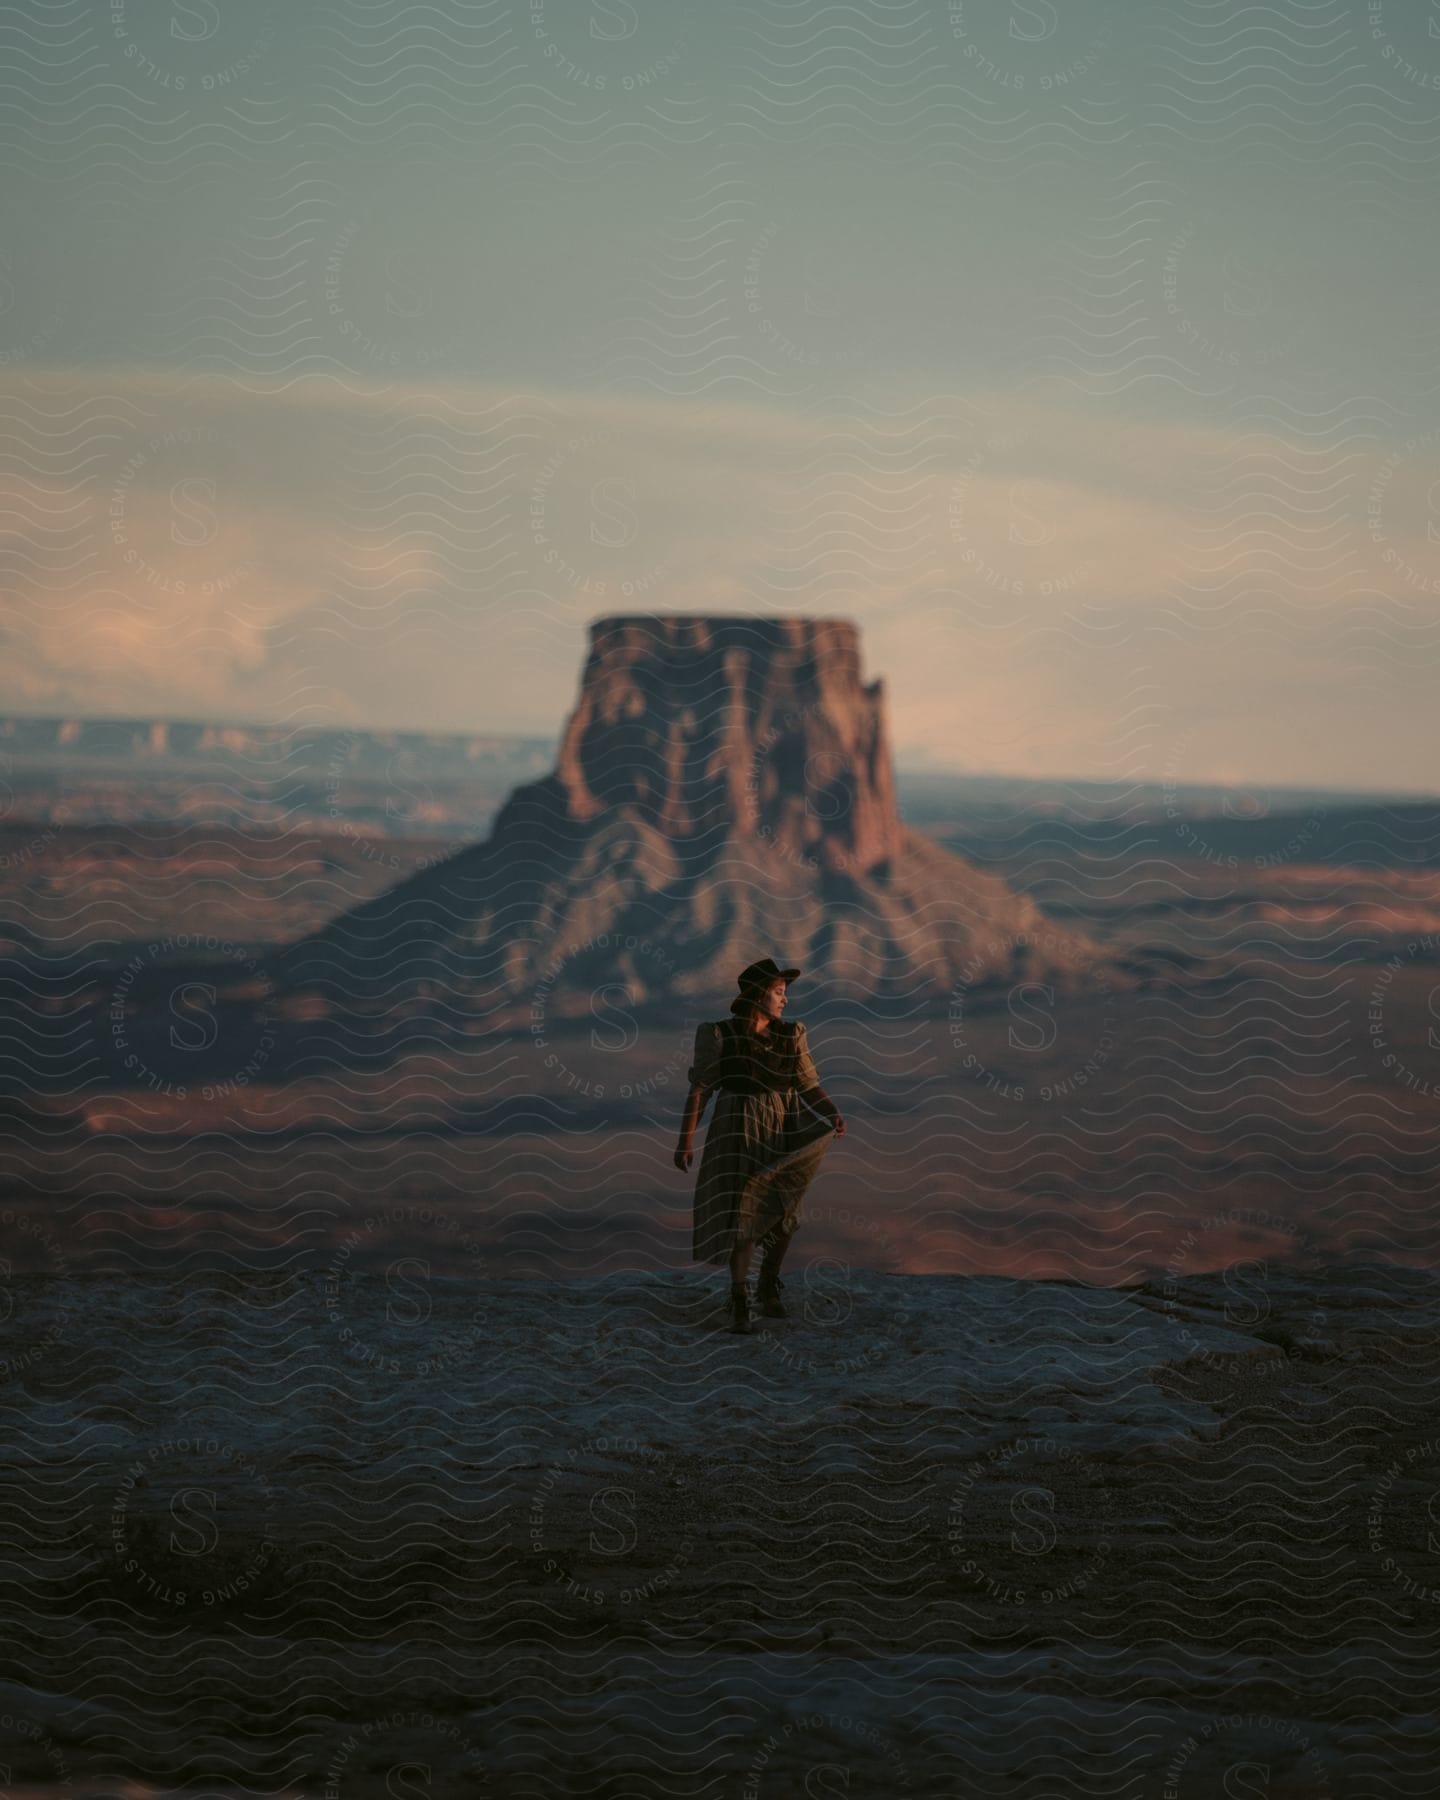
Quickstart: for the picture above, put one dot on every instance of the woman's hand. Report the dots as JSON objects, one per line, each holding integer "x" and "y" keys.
{"x": 838, "y": 1123}
{"x": 684, "y": 1154}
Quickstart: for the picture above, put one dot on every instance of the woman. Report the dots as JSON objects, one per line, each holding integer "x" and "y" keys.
{"x": 761, "y": 1153}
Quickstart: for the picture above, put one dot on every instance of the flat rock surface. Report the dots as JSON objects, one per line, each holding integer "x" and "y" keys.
{"x": 382, "y": 1532}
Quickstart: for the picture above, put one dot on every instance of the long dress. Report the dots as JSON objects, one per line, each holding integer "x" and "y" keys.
{"x": 762, "y": 1149}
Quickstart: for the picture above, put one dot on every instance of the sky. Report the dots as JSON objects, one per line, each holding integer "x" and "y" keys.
{"x": 356, "y": 356}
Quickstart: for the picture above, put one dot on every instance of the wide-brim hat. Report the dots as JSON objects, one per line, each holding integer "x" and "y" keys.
{"x": 761, "y": 974}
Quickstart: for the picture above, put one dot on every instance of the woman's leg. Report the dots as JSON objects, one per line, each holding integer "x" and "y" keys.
{"x": 776, "y": 1242}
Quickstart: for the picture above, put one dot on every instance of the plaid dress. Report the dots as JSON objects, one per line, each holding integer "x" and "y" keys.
{"x": 762, "y": 1147}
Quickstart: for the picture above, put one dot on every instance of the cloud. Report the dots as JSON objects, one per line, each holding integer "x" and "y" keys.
{"x": 1032, "y": 578}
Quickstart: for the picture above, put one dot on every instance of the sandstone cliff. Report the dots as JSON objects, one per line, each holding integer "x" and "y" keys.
{"x": 723, "y": 790}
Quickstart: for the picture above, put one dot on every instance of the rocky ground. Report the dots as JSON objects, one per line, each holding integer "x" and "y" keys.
{"x": 367, "y": 1530}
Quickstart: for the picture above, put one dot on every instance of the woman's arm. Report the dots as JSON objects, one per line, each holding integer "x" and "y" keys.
{"x": 703, "y": 1074}
{"x": 819, "y": 1101}
{"x": 685, "y": 1149}
{"x": 811, "y": 1091}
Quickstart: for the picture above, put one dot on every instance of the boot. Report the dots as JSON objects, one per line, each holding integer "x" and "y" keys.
{"x": 739, "y": 1307}
{"x": 767, "y": 1292}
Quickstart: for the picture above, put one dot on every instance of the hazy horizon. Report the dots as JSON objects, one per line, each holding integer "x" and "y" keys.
{"x": 904, "y": 767}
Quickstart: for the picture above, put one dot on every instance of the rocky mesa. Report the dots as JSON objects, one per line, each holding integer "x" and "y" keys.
{"x": 723, "y": 789}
